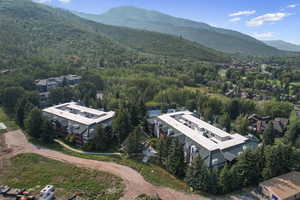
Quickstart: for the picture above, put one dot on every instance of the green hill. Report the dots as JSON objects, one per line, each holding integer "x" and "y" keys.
{"x": 282, "y": 45}
{"x": 220, "y": 39}
{"x": 31, "y": 31}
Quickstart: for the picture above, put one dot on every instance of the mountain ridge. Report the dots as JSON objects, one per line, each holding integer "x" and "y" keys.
{"x": 32, "y": 30}
{"x": 224, "y": 40}
{"x": 283, "y": 45}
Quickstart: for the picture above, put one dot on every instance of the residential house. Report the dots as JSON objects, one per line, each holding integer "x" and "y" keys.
{"x": 284, "y": 187}
{"x": 258, "y": 123}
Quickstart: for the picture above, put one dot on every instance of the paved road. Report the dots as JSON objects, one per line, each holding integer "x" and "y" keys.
{"x": 134, "y": 182}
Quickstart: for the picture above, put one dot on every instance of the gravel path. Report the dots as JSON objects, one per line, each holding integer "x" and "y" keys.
{"x": 134, "y": 182}
{"x": 85, "y": 152}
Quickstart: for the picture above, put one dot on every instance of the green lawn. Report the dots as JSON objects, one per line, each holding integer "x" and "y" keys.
{"x": 32, "y": 171}
{"x": 11, "y": 125}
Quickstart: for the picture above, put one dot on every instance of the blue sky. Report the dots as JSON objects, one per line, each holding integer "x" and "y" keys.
{"x": 263, "y": 19}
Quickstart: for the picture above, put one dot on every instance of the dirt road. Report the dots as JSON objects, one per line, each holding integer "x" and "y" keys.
{"x": 134, "y": 182}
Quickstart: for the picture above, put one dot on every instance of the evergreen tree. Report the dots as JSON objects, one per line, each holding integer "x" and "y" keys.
{"x": 197, "y": 175}
{"x": 226, "y": 179}
{"x": 268, "y": 134}
{"x": 278, "y": 160}
{"x": 295, "y": 160}
{"x": 10, "y": 97}
{"x": 133, "y": 145}
{"x": 100, "y": 142}
{"x": 121, "y": 124}
{"x": 293, "y": 133}
{"x": 48, "y": 132}
{"x": 175, "y": 160}
{"x": 20, "y": 111}
{"x": 213, "y": 184}
{"x": 241, "y": 125}
{"x": 34, "y": 122}
{"x": 163, "y": 149}
{"x": 233, "y": 108}
{"x": 237, "y": 181}
{"x": 225, "y": 121}
{"x": 248, "y": 168}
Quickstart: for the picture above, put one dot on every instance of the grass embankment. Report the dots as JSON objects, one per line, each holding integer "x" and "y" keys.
{"x": 32, "y": 171}
{"x": 152, "y": 173}
{"x": 11, "y": 125}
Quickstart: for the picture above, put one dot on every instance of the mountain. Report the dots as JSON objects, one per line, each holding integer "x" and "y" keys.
{"x": 282, "y": 45}
{"x": 35, "y": 33}
{"x": 217, "y": 38}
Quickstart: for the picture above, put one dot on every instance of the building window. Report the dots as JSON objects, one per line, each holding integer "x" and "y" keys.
{"x": 215, "y": 161}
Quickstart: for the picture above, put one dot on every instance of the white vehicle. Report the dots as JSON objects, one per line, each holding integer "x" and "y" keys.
{"x": 47, "y": 190}
{"x": 48, "y": 196}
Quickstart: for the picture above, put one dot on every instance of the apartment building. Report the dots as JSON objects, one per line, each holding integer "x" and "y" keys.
{"x": 215, "y": 146}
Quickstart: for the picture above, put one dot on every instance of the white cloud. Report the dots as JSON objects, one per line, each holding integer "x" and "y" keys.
{"x": 49, "y": 1}
{"x": 236, "y": 19}
{"x": 292, "y": 6}
{"x": 269, "y": 17}
{"x": 240, "y": 13}
{"x": 263, "y": 35}
{"x": 43, "y": 1}
{"x": 65, "y": 1}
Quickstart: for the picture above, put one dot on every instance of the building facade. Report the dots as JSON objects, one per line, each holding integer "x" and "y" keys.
{"x": 45, "y": 85}
{"x": 75, "y": 120}
{"x": 215, "y": 146}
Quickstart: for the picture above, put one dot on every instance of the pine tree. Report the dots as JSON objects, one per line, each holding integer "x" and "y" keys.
{"x": 278, "y": 160}
{"x": 48, "y": 132}
{"x": 293, "y": 132}
{"x": 197, "y": 175}
{"x": 34, "y": 122}
{"x": 237, "y": 181}
{"x": 241, "y": 125}
{"x": 20, "y": 111}
{"x": 248, "y": 168}
{"x": 163, "y": 149}
{"x": 175, "y": 160}
{"x": 213, "y": 184}
{"x": 121, "y": 124}
{"x": 101, "y": 140}
{"x": 268, "y": 135}
{"x": 134, "y": 141}
{"x": 226, "y": 179}
{"x": 225, "y": 121}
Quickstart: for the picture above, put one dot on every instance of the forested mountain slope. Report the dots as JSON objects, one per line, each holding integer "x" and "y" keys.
{"x": 31, "y": 33}
{"x": 282, "y": 45}
{"x": 217, "y": 38}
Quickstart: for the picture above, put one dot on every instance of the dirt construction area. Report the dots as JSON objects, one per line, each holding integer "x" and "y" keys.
{"x": 16, "y": 143}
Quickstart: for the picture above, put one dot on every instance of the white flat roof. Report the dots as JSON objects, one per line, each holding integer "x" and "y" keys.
{"x": 208, "y": 143}
{"x": 2, "y": 126}
{"x": 206, "y": 126}
{"x": 79, "y": 117}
